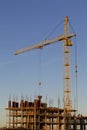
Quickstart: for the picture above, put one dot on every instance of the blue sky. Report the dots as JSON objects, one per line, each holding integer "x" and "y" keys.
{"x": 23, "y": 23}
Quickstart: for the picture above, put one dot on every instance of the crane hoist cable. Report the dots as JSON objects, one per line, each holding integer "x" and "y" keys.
{"x": 40, "y": 71}
{"x": 76, "y": 75}
{"x": 76, "y": 70}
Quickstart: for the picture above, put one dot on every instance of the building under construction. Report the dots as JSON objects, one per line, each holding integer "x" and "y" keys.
{"x": 37, "y": 115}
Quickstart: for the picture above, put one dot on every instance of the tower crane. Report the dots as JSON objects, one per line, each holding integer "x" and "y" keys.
{"x": 67, "y": 43}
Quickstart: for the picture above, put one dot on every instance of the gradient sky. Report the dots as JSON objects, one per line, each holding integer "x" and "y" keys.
{"x": 27, "y": 22}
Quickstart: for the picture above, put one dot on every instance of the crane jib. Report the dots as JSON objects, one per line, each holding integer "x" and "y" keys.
{"x": 44, "y": 43}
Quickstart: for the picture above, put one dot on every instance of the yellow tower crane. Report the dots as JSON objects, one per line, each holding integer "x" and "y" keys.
{"x": 66, "y": 38}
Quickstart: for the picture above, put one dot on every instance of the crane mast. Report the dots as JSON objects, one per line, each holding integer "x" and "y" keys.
{"x": 67, "y": 84}
{"x": 66, "y": 38}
